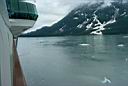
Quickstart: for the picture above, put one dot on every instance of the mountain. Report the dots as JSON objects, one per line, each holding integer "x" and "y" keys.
{"x": 96, "y": 18}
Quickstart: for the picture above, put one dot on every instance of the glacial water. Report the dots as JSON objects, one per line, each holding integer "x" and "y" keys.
{"x": 75, "y": 60}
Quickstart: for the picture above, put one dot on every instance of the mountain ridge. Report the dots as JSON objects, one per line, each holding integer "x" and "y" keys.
{"x": 86, "y": 19}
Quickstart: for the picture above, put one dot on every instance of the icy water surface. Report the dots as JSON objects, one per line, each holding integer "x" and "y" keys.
{"x": 75, "y": 60}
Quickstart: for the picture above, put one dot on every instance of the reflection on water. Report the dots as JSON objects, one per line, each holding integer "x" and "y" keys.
{"x": 75, "y": 60}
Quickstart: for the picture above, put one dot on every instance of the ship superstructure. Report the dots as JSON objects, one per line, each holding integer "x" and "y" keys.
{"x": 16, "y": 16}
{"x": 22, "y": 15}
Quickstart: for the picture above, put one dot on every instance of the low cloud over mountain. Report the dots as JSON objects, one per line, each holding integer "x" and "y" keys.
{"x": 91, "y": 18}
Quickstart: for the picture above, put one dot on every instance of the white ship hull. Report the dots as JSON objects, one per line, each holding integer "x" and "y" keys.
{"x": 6, "y": 54}
{"x": 10, "y": 69}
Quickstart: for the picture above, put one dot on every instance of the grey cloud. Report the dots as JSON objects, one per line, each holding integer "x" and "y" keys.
{"x": 51, "y": 11}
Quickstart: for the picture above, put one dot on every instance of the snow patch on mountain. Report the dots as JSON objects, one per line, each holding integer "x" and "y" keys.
{"x": 80, "y": 26}
{"x": 61, "y": 29}
{"x": 82, "y": 14}
{"x": 123, "y": 14}
{"x": 99, "y": 27}
{"x": 96, "y": 18}
{"x": 75, "y": 18}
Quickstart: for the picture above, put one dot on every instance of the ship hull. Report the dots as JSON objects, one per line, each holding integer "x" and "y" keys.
{"x": 10, "y": 69}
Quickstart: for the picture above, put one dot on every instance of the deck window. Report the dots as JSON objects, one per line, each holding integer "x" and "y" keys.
{"x": 19, "y": 9}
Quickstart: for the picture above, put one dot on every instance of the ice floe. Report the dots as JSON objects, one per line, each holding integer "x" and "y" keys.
{"x": 126, "y": 59}
{"x": 120, "y": 45}
{"x": 106, "y": 80}
{"x": 125, "y": 36}
{"x": 84, "y": 44}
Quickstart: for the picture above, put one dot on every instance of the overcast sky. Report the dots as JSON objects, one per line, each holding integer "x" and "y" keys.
{"x": 51, "y": 11}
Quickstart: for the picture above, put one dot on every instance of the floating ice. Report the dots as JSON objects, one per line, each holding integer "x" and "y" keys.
{"x": 125, "y": 36}
{"x": 126, "y": 59}
{"x": 120, "y": 45}
{"x": 106, "y": 80}
{"x": 84, "y": 44}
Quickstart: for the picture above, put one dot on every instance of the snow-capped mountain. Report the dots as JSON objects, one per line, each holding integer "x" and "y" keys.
{"x": 97, "y": 18}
